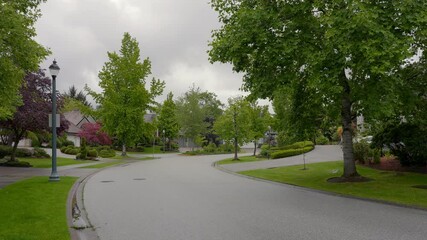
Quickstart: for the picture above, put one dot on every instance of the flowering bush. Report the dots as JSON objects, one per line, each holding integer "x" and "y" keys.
{"x": 94, "y": 135}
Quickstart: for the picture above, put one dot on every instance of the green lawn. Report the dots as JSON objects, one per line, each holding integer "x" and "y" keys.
{"x": 35, "y": 209}
{"x": 386, "y": 186}
{"x": 47, "y": 162}
{"x": 241, "y": 160}
{"x": 105, "y": 164}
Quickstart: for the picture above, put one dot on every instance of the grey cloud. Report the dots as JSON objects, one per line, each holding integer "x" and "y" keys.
{"x": 173, "y": 34}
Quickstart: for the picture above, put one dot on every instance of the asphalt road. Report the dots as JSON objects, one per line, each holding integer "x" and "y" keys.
{"x": 180, "y": 197}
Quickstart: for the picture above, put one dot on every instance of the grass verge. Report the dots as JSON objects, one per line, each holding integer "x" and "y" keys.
{"x": 35, "y": 209}
{"x": 241, "y": 160}
{"x": 386, "y": 186}
{"x": 105, "y": 164}
{"x": 47, "y": 162}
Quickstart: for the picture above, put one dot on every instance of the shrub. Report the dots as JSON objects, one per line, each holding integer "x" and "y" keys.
{"x": 67, "y": 143}
{"x": 322, "y": 140}
{"x": 15, "y": 164}
{"x": 290, "y": 152}
{"x": 302, "y": 144}
{"x": 210, "y": 148}
{"x": 174, "y": 146}
{"x": 99, "y": 148}
{"x": 364, "y": 153}
{"x": 92, "y": 153}
{"x": 34, "y": 139}
{"x": 226, "y": 148}
{"x": 74, "y": 151}
{"x": 407, "y": 141}
{"x": 296, "y": 145}
{"x": 23, "y": 152}
{"x": 5, "y": 151}
{"x": 107, "y": 153}
{"x": 264, "y": 151}
{"x": 38, "y": 152}
{"x": 139, "y": 149}
{"x": 361, "y": 151}
{"x": 83, "y": 149}
{"x": 63, "y": 149}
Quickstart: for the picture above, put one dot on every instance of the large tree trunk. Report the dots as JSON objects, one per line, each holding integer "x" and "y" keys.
{"x": 14, "y": 139}
{"x": 13, "y": 153}
{"x": 255, "y": 148}
{"x": 347, "y": 145}
{"x": 235, "y": 149}
{"x": 124, "y": 149}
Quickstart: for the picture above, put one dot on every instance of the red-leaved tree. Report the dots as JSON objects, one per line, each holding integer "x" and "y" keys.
{"x": 94, "y": 135}
{"x": 33, "y": 114}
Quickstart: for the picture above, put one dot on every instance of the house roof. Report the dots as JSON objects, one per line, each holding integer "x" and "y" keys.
{"x": 77, "y": 119}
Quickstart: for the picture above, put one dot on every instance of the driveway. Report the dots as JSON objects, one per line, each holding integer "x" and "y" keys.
{"x": 182, "y": 197}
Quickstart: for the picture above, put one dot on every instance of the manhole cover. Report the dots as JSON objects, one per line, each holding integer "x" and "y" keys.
{"x": 107, "y": 181}
{"x": 139, "y": 179}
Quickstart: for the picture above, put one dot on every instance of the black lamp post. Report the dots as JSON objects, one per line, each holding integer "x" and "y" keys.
{"x": 54, "y": 71}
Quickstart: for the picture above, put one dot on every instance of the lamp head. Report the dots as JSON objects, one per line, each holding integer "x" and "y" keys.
{"x": 54, "y": 69}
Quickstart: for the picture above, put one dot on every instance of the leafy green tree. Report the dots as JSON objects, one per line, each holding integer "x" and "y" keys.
{"x": 347, "y": 50}
{"x": 167, "y": 121}
{"x": 258, "y": 121}
{"x": 19, "y": 52}
{"x": 196, "y": 113}
{"x": 124, "y": 99}
{"x": 190, "y": 114}
{"x": 233, "y": 125}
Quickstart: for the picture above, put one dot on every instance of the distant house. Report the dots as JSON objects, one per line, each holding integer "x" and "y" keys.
{"x": 76, "y": 119}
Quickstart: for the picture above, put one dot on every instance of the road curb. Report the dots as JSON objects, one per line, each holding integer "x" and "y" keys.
{"x": 79, "y": 225}
{"x": 215, "y": 165}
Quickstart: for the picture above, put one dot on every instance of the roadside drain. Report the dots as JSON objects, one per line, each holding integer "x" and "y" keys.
{"x": 108, "y": 181}
{"x": 139, "y": 179}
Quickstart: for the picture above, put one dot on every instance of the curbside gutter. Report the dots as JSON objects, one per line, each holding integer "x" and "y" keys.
{"x": 80, "y": 227}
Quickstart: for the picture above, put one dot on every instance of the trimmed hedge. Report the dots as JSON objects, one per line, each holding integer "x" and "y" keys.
{"x": 290, "y": 152}
{"x": 40, "y": 153}
{"x": 294, "y": 146}
{"x": 5, "y": 150}
{"x": 107, "y": 153}
{"x": 23, "y": 152}
{"x": 92, "y": 153}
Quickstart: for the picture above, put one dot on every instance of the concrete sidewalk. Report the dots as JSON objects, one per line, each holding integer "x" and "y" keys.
{"x": 322, "y": 153}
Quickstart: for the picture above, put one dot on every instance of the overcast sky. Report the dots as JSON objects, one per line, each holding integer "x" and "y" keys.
{"x": 173, "y": 34}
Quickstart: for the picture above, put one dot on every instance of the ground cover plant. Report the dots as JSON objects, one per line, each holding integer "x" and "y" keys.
{"x": 35, "y": 209}
{"x": 403, "y": 188}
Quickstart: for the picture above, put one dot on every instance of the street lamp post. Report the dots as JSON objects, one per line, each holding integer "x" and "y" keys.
{"x": 269, "y": 141}
{"x": 54, "y": 70}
